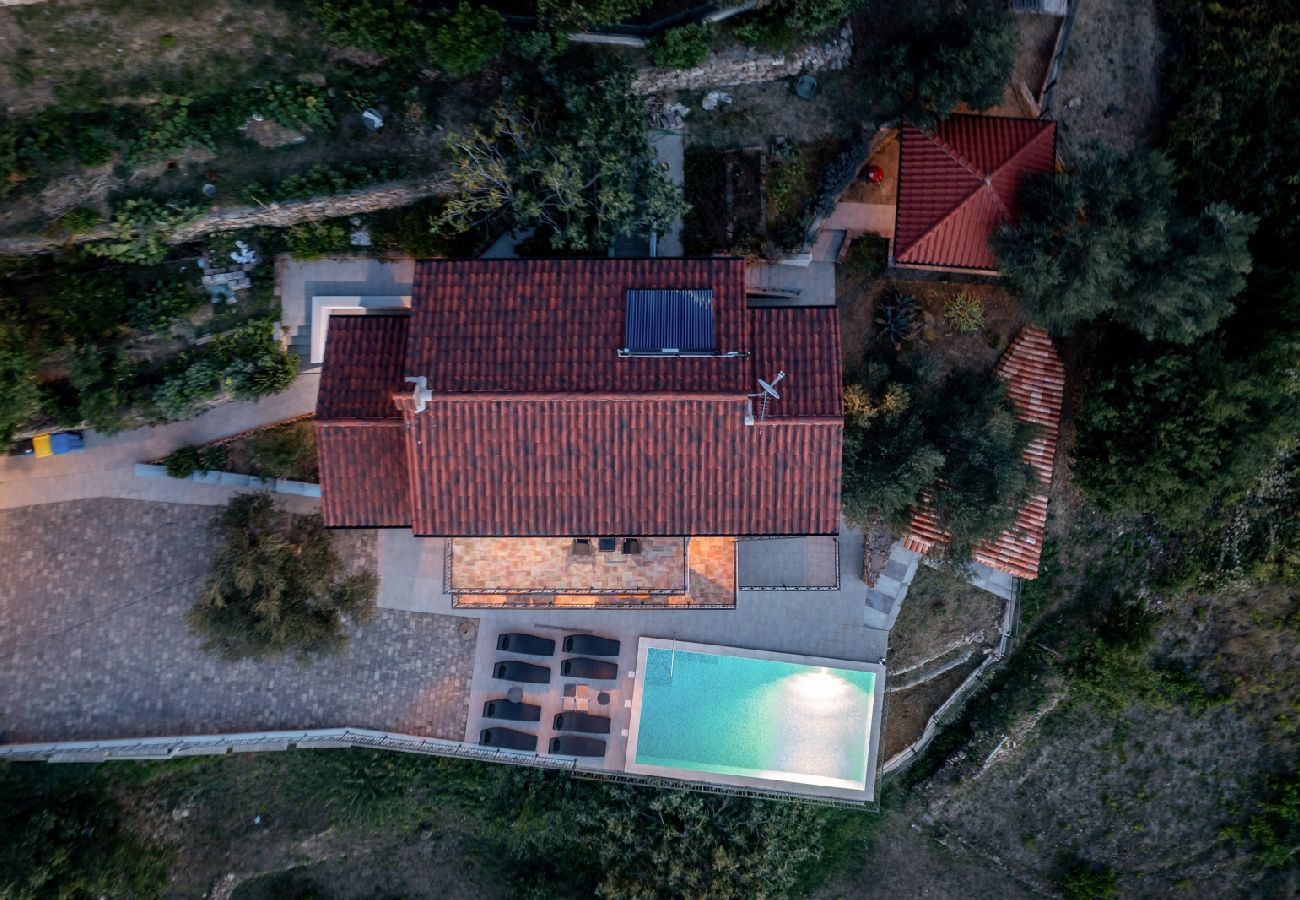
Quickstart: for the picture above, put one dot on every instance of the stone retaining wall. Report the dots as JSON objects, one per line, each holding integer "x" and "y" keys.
{"x": 275, "y": 215}
{"x": 749, "y": 65}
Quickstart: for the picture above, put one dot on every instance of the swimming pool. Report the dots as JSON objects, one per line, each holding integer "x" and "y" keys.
{"x": 752, "y": 717}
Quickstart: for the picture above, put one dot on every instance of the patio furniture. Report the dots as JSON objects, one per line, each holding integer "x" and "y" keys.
{"x": 590, "y": 645}
{"x": 527, "y": 673}
{"x": 582, "y": 667}
{"x": 603, "y": 698}
{"x": 512, "y": 711}
{"x": 581, "y": 547}
{"x": 581, "y": 721}
{"x": 608, "y": 545}
{"x": 508, "y": 739}
{"x": 527, "y": 644}
{"x": 632, "y": 546}
{"x": 572, "y": 745}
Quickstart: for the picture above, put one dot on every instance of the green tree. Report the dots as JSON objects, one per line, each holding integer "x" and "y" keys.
{"x": 62, "y": 836}
{"x": 782, "y": 24}
{"x": 1108, "y": 239}
{"x": 390, "y": 28}
{"x": 961, "y": 53}
{"x": 19, "y": 394}
{"x": 681, "y": 48}
{"x": 1162, "y": 433}
{"x": 580, "y": 15}
{"x": 277, "y": 585}
{"x": 567, "y": 156}
{"x": 465, "y": 40}
{"x": 955, "y": 445}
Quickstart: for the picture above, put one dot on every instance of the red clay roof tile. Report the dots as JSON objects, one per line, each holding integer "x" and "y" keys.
{"x": 1035, "y": 380}
{"x": 363, "y": 473}
{"x": 581, "y": 466}
{"x": 363, "y": 366}
{"x": 538, "y": 427}
{"x": 957, "y": 184}
{"x": 803, "y": 342}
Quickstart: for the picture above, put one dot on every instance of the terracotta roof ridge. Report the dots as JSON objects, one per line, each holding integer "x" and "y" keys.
{"x": 356, "y": 422}
{"x": 581, "y": 397}
{"x": 1019, "y": 152}
{"x": 968, "y": 168}
{"x": 951, "y": 214}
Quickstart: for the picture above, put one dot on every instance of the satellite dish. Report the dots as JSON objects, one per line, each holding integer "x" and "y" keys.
{"x": 769, "y": 388}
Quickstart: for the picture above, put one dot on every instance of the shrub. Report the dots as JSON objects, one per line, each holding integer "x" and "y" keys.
{"x": 964, "y": 312}
{"x": 183, "y": 462}
{"x": 465, "y": 41}
{"x": 277, "y": 585}
{"x": 19, "y": 395}
{"x": 899, "y": 318}
{"x": 252, "y": 363}
{"x": 185, "y": 393}
{"x": 301, "y": 105}
{"x": 681, "y": 48}
{"x": 156, "y": 307}
{"x": 76, "y": 221}
{"x": 781, "y": 24}
{"x": 140, "y": 231}
{"x": 536, "y": 45}
{"x": 288, "y": 452}
{"x": 868, "y": 255}
{"x": 313, "y": 240}
{"x": 579, "y": 15}
{"x": 387, "y": 27}
{"x": 102, "y": 380}
{"x": 163, "y": 129}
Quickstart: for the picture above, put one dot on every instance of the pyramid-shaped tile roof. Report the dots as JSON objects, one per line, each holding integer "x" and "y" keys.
{"x": 959, "y": 183}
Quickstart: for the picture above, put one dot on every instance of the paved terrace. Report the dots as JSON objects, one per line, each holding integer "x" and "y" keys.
{"x": 549, "y": 565}
{"x": 94, "y": 643}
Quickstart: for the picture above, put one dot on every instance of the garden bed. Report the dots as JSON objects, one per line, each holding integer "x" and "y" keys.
{"x": 284, "y": 450}
{"x": 725, "y": 191}
{"x": 939, "y": 613}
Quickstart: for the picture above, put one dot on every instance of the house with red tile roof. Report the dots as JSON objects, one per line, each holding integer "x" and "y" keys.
{"x": 587, "y": 399}
{"x": 1035, "y": 379}
{"x": 958, "y": 183}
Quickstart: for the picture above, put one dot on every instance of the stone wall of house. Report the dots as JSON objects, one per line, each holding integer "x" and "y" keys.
{"x": 749, "y": 65}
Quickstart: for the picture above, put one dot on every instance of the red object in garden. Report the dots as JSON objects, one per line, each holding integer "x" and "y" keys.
{"x": 875, "y": 174}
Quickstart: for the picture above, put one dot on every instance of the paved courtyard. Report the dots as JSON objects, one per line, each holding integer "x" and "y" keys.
{"x": 94, "y": 644}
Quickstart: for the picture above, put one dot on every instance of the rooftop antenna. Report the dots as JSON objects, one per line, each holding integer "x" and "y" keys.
{"x": 767, "y": 392}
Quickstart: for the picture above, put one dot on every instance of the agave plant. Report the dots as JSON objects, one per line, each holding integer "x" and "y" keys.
{"x": 899, "y": 316}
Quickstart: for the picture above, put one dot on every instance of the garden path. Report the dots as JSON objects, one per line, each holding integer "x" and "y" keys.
{"x": 106, "y": 467}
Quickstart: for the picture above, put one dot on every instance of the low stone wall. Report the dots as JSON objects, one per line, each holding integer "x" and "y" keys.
{"x": 234, "y": 479}
{"x": 275, "y": 215}
{"x": 749, "y": 65}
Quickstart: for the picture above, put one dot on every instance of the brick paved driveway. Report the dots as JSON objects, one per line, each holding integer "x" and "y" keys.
{"x": 93, "y": 640}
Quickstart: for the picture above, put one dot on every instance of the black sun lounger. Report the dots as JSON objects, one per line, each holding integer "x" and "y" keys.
{"x": 511, "y": 711}
{"x": 590, "y": 645}
{"x": 508, "y": 739}
{"x": 512, "y": 670}
{"x": 581, "y": 721}
{"x": 527, "y": 644}
{"x": 572, "y": 745}
{"x": 581, "y": 667}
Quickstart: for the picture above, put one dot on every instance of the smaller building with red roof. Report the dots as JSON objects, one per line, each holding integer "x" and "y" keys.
{"x": 959, "y": 182}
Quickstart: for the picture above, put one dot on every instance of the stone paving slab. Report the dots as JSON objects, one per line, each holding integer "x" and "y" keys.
{"x": 94, "y": 644}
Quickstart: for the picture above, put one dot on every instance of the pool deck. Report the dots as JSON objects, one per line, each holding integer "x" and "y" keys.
{"x": 818, "y": 623}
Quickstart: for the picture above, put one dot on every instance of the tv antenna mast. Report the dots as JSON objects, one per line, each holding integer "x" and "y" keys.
{"x": 767, "y": 392}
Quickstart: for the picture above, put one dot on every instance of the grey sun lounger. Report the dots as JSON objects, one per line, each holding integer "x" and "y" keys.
{"x": 527, "y": 644}
{"x": 590, "y": 645}
{"x": 508, "y": 739}
{"x": 572, "y": 745}
{"x": 581, "y": 667}
{"x": 581, "y": 721}
{"x": 511, "y": 711}
{"x": 513, "y": 670}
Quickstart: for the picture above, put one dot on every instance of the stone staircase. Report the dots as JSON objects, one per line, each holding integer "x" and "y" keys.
{"x": 886, "y": 599}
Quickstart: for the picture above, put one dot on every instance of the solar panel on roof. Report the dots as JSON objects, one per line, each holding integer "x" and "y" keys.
{"x": 669, "y": 321}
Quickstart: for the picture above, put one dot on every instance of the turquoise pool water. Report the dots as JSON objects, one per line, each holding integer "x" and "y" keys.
{"x": 758, "y": 718}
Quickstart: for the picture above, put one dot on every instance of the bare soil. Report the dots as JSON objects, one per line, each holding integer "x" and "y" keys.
{"x": 940, "y": 611}
{"x": 859, "y": 295}
{"x": 910, "y": 710}
{"x": 1108, "y": 90}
